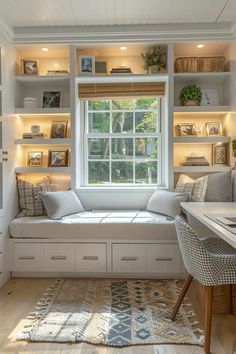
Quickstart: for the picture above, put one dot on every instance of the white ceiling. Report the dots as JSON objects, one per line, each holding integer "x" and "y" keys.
{"x": 17, "y": 13}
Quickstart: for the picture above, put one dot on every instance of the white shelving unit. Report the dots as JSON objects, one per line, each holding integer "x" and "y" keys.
{"x": 202, "y": 109}
{"x": 43, "y": 170}
{"x": 201, "y": 139}
{"x": 203, "y": 169}
{"x": 43, "y": 141}
{"x": 42, "y": 111}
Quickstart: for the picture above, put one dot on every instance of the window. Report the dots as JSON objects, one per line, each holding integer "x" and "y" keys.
{"x": 122, "y": 141}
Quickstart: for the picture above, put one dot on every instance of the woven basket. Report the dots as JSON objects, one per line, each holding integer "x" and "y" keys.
{"x": 199, "y": 64}
{"x": 220, "y": 299}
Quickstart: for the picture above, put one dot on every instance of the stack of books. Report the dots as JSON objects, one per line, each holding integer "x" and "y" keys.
{"x": 57, "y": 72}
{"x": 196, "y": 160}
{"x": 33, "y": 135}
{"x": 121, "y": 70}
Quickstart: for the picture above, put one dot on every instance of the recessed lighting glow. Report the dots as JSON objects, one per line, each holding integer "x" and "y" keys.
{"x": 45, "y": 49}
{"x": 123, "y": 48}
{"x": 200, "y": 45}
{"x": 44, "y": 18}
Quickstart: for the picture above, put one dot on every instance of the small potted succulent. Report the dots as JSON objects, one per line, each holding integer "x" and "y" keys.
{"x": 155, "y": 59}
{"x": 190, "y": 95}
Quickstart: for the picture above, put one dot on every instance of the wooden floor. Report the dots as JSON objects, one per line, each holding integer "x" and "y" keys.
{"x": 18, "y": 297}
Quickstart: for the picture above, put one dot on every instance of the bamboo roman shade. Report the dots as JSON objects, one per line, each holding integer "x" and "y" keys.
{"x": 136, "y": 89}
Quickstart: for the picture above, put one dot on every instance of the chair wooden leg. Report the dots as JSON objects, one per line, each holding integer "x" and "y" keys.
{"x": 187, "y": 283}
{"x": 208, "y": 317}
{"x": 230, "y": 298}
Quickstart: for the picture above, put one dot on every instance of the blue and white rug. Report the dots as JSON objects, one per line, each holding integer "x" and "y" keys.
{"x": 111, "y": 312}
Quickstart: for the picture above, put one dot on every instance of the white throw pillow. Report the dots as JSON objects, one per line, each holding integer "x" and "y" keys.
{"x": 166, "y": 203}
{"x": 197, "y": 188}
{"x": 59, "y": 204}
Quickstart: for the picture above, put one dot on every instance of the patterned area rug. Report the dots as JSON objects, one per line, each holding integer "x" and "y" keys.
{"x": 111, "y": 312}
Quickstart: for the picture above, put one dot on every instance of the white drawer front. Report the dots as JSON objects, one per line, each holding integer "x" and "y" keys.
{"x": 60, "y": 258}
{"x": 129, "y": 258}
{"x": 91, "y": 257}
{"x": 163, "y": 258}
{"x": 28, "y": 257}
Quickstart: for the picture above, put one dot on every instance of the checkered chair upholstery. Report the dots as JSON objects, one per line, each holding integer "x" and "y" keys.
{"x": 211, "y": 261}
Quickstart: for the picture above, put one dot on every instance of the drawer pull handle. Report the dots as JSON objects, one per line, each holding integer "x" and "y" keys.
{"x": 90, "y": 258}
{"x": 58, "y": 258}
{"x": 129, "y": 258}
{"x": 26, "y": 257}
{"x": 164, "y": 259}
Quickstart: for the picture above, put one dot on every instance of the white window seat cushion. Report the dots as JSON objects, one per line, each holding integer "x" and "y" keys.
{"x": 137, "y": 225}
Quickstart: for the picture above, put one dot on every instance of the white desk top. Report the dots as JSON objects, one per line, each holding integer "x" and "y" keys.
{"x": 199, "y": 209}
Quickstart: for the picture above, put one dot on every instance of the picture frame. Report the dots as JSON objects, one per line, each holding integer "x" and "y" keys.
{"x": 220, "y": 154}
{"x": 209, "y": 98}
{"x": 86, "y": 65}
{"x": 58, "y": 129}
{"x": 30, "y": 67}
{"x": 187, "y": 129}
{"x": 100, "y": 67}
{"x": 214, "y": 129}
{"x": 35, "y": 159}
{"x": 51, "y": 99}
{"x": 58, "y": 158}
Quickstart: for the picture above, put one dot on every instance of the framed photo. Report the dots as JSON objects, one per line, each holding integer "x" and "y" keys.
{"x": 58, "y": 158}
{"x": 87, "y": 64}
{"x": 214, "y": 129}
{"x": 209, "y": 98}
{"x": 220, "y": 154}
{"x": 30, "y": 67}
{"x": 187, "y": 129}
{"x": 58, "y": 129}
{"x": 35, "y": 158}
{"x": 51, "y": 99}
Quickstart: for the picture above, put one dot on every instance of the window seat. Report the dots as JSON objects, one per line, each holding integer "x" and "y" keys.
{"x": 97, "y": 224}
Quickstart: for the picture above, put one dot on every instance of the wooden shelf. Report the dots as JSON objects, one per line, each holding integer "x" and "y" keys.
{"x": 43, "y": 141}
{"x": 206, "y": 77}
{"x": 43, "y": 79}
{"x": 202, "y": 109}
{"x": 162, "y": 77}
{"x": 43, "y": 170}
{"x": 201, "y": 168}
{"x": 42, "y": 111}
{"x": 201, "y": 139}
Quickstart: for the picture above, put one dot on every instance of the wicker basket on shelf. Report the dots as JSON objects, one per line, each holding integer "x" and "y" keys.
{"x": 199, "y": 64}
{"x": 220, "y": 298}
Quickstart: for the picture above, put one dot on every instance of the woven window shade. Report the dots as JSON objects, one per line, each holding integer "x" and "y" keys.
{"x": 137, "y": 89}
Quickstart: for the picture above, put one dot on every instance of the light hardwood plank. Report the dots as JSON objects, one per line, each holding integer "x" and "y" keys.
{"x": 18, "y": 297}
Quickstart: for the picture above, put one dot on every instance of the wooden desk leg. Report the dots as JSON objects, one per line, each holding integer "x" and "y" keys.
{"x": 187, "y": 283}
{"x": 208, "y": 317}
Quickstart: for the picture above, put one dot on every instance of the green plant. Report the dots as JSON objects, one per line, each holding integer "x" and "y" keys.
{"x": 234, "y": 147}
{"x": 155, "y": 56}
{"x": 190, "y": 93}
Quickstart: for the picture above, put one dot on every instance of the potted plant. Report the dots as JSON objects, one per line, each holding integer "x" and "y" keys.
{"x": 190, "y": 95}
{"x": 155, "y": 59}
{"x": 234, "y": 150}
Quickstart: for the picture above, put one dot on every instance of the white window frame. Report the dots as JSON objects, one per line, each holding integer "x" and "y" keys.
{"x": 159, "y": 135}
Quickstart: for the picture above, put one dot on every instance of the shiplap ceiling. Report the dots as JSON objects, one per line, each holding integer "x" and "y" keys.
{"x": 17, "y": 13}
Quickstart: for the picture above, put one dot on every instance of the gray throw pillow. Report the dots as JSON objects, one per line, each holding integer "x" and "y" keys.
{"x": 59, "y": 204}
{"x": 219, "y": 188}
{"x": 166, "y": 203}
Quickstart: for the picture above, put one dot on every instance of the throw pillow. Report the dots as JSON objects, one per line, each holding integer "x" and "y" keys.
{"x": 59, "y": 204}
{"x": 29, "y": 201}
{"x": 166, "y": 203}
{"x": 197, "y": 188}
{"x": 219, "y": 187}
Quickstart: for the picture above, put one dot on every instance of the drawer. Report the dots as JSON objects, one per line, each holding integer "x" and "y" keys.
{"x": 28, "y": 257}
{"x": 163, "y": 258}
{"x": 129, "y": 258}
{"x": 59, "y": 257}
{"x": 91, "y": 257}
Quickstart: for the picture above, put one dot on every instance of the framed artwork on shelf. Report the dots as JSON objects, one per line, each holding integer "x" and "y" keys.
{"x": 187, "y": 129}
{"x": 30, "y": 67}
{"x": 214, "y": 129}
{"x": 220, "y": 154}
{"x": 58, "y": 158}
{"x": 51, "y": 99}
{"x": 35, "y": 158}
{"x": 100, "y": 67}
{"x": 87, "y": 64}
{"x": 58, "y": 129}
{"x": 209, "y": 98}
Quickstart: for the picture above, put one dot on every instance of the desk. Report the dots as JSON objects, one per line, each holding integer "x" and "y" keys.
{"x": 199, "y": 209}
